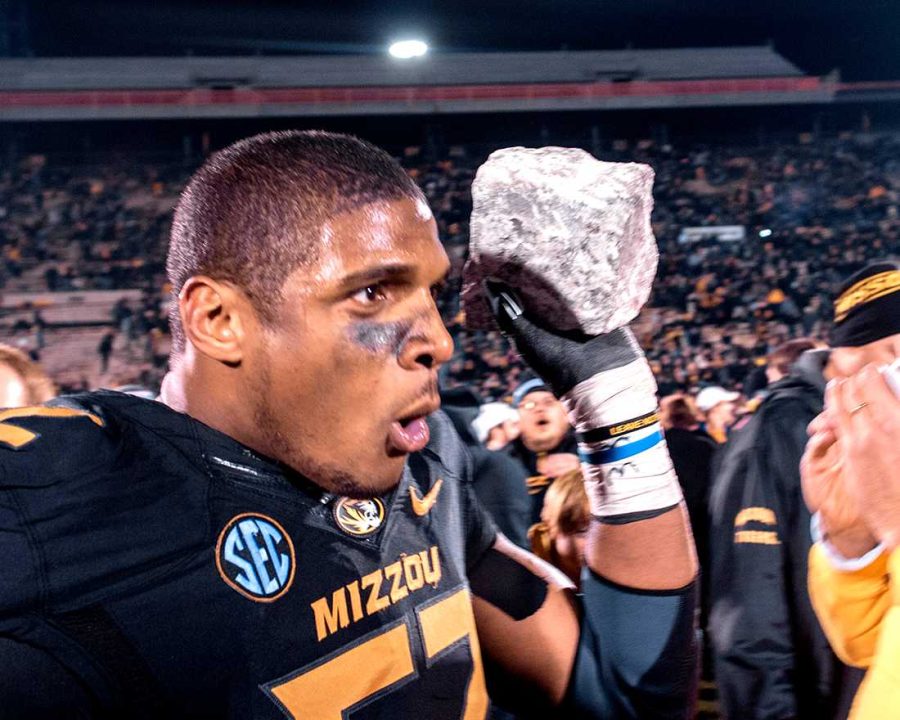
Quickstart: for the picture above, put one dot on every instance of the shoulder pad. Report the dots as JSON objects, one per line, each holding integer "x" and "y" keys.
{"x": 21, "y": 428}
{"x": 48, "y": 440}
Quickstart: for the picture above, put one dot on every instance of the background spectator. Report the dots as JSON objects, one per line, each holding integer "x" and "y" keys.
{"x": 559, "y": 537}
{"x": 850, "y": 480}
{"x": 104, "y": 350}
{"x": 546, "y": 445}
{"x": 691, "y": 451}
{"x": 719, "y": 408}
{"x": 497, "y": 425}
{"x": 22, "y": 382}
{"x": 782, "y": 358}
{"x": 760, "y": 539}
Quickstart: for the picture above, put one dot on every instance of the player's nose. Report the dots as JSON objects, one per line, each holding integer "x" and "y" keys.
{"x": 430, "y": 344}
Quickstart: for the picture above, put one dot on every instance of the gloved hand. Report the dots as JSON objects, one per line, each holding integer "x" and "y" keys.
{"x": 609, "y": 392}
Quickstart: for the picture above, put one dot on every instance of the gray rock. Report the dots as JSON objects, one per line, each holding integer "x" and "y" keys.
{"x": 569, "y": 233}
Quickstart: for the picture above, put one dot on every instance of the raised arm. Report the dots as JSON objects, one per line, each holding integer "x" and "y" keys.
{"x": 641, "y": 537}
{"x": 626, "y": 647}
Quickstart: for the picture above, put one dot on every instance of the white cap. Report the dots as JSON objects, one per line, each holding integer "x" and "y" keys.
{"x": 709, "y": 397}
{"x": 490, "y": 416}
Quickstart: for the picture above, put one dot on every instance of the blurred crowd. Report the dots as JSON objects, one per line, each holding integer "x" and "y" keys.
{"x": 813, "y": 211}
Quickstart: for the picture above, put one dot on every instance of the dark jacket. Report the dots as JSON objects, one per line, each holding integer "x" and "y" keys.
{"x": 498, "y": 480}
{"x": 692, "y": 454}
{"x": 536, "y": 483}
{"x": 772, "y": 659}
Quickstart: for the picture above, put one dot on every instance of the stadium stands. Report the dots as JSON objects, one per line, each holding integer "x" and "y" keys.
{"x": 812, "y": 212}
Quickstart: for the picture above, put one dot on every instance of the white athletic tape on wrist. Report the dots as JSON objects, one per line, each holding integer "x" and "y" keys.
{"x": 631, "y": 471}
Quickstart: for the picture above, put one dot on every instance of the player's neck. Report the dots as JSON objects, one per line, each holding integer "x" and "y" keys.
{"x": 189, "y": 389}
{"x": 171, "y": 392}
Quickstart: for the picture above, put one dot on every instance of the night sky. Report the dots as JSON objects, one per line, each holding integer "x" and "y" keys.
{"x": 861, "y": 37}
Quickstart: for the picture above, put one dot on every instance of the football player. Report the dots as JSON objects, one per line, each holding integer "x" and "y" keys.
{"x": 291, "y": 530}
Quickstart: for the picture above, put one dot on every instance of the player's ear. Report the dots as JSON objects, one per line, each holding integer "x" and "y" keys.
{"x": 215, "y": 318}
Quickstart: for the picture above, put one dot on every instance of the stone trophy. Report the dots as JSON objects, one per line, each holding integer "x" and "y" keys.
{"x": 569, "y": 233}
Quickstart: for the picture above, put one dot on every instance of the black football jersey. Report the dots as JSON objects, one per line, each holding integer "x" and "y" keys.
{"x": 156, "y": 568}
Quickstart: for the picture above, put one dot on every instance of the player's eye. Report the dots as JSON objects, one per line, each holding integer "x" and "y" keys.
{"x": 370, "y": 294}
{"x": 438, "y": 289}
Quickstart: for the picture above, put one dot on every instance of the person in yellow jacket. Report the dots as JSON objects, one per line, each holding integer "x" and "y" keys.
{"x": 851, "y": 480}
{"x": 858, "y": 609}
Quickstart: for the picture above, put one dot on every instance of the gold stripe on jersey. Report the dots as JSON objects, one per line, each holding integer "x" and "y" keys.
{"x": 18, "y": 437}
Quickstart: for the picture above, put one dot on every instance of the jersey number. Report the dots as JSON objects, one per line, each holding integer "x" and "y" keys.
{"x": 330, "y": 688}
{"x": 17, "y": 437}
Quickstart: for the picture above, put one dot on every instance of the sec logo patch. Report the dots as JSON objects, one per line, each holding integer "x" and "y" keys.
{"x": 255, "y": 556}
{"x": 359, "y": 517}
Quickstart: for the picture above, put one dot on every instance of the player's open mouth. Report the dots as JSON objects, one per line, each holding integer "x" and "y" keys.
{"x": 409, "y": 435}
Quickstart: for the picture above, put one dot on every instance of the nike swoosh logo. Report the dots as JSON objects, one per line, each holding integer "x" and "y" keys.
{"x": 422, "y": 505}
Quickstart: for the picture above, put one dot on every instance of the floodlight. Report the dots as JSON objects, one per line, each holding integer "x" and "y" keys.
{"x": 764, "y": 233}
{"x": 406, "y": 49}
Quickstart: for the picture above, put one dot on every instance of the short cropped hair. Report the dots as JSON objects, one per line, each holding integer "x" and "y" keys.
{"x": 786, "y": 354}
{"x": 39, "y": 388}
{"x": 252, "y": 214}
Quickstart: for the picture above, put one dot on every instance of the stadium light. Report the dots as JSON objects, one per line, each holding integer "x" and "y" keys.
{"x": 406, "y": 49}
{"x": 765, "y": 233}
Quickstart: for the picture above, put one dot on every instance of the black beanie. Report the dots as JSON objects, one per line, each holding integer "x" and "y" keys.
{"x": 867, "y": 308}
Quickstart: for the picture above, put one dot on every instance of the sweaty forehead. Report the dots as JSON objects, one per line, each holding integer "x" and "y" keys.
{"x": 402, "y": 231}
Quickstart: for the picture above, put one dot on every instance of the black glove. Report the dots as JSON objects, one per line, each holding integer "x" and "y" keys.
{"x": 609, "y": 392}
{"x": 562, "y": 359}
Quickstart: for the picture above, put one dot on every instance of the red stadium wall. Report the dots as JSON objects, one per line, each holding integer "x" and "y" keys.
{"x": 97, "y": 104}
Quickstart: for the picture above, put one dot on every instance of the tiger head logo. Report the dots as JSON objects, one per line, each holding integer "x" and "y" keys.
{"x": 359, "y": 517}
